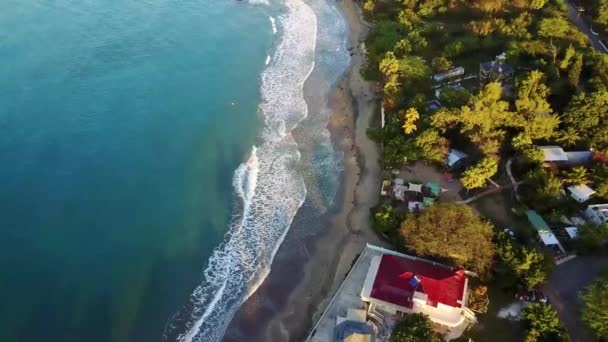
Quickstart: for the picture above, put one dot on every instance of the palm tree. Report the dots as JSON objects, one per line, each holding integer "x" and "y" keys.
{"x": 569, "y": 137}
{"x": 410, "y": 116}
{"x": 576, "y": 176}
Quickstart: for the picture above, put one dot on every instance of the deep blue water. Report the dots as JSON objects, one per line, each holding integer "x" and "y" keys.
{"x": 121, "y": 125}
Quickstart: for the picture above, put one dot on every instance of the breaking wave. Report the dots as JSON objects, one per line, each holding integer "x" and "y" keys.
{"x": 259, "y": 2}
{"x": 269, "y": 189}
{"x": 273, "y": 23}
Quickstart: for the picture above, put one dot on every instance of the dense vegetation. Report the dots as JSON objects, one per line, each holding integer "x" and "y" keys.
{"x": 556, "y": 95}
{"x": 451, "y": 232}
{"x": 520, "y": 264}
{"x": 597, "y": 10}
{"x": 595, "y": 302}
{"x": 542, "y": 324}
{"x": 414, "y": 328}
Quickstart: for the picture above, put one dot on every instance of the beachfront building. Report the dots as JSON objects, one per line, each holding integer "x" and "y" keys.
{"x": 597, "y": 213}
{"x": 382, "y": 286}
{"x": 581, "y": 193}
{"x": 397, "y": 284}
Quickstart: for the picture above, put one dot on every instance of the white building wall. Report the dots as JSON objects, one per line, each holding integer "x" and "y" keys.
{"x": 598, "y": 213}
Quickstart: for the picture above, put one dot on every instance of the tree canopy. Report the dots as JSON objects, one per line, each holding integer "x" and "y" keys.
{"x": 477, "y": 175}
{"x": 543, "y": 324}
{"x": 595, "y": 302}
{"x": 523, "y": 263}
{"x": 414, "y": 328}
{"x": 452, "y": 232}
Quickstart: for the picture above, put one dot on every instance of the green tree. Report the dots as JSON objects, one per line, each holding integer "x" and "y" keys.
{"x": 576, "y": 176}
{"x": 590, "y": 239}
{"x": 385, "y": 219}
{"x": 533, "y": 267}
{"x": 414, "y": 68}
{"x": 554, "y": 28}
{"x": 542, "y": 324}
{"x": 445, "y": 118}
{"x": 588, "y": 113}
{"x": 595, "y": 302}
{"x": 408, "y": 18}
{"x": 569, "y": 136}
{"x": 541, "y": 190}
{"x": 518, "y": 27}
{"x": 389, "y": 65}
{"x": 477, "y": 175}
{"x": 534, "y": 110}
{"x": 454, "y": 98}
{"x": 570, "y": 52}
{"x": 414, "y": 328}
{"x": 600, "y": 179}
{"x": 454, "y": 49}
{"x": 417, "y": 41}
{"x": 537, "y": 4}
{"x": 602, "y": 12}
{"x": 432, "y": 146}
{"x": 369, "y": 6}
{"x": 486, "y": 111}
{"x": 402, "y": 48}
{"x": 574, "y": 73}
{"x": 441, "y": 64}
{"x": 453, "y": 232}
{"x": 488, "y": 6}
{"x": 519, "y": 262}
{"x": 411, "y": 116}
{"x": 391, "y": 92}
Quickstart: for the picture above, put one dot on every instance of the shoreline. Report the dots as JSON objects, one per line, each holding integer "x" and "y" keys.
{"x": 286, "y": 309}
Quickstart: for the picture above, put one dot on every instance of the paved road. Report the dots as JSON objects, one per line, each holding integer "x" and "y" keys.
{"x": 567, "y": 280}
{"x": 583, "y": 26}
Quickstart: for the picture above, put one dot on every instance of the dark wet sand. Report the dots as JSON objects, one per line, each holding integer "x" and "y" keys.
{"x": 318, "y": 252}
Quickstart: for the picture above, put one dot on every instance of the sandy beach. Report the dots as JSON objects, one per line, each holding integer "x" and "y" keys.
{"x": 308, "y": 268}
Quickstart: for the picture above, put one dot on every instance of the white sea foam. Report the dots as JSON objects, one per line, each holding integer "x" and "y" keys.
{"x": 268, "y": 186}
{"x": 259, "y": 2}
{"x": 273, "y": 23}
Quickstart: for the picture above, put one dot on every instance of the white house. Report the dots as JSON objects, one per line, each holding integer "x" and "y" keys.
{"x": 454, "y": 156}
{"x": 401, "y": 284}
{"x": 556, "y": 154}
{"x": 581, "y": 193}
{"x": 597, "y": 213}
{"x": 553, "y": 153}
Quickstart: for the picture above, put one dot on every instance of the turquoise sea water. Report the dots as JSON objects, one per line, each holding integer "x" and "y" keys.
{"x": 148, "y": 170}
{"x": 121, "y": 125}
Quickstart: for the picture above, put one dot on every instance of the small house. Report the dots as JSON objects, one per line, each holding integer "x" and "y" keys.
{"x": 542, "y": 228}
{"x": 455, "y": 156}
{"x": 496, "y": 70}
{"x": 581, "y": 193}
{"x": 572, "y": 232}
{"x": 597, "y": 213}
{"x": 452, "y": 73}
{"x": 553, "y": 154}
{"x": 557, "y": 155}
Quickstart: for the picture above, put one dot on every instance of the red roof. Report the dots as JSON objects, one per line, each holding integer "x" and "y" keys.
{"x": 441, "y": 284}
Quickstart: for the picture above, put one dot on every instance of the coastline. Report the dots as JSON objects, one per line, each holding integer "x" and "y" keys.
{"x": 308, "y": 269}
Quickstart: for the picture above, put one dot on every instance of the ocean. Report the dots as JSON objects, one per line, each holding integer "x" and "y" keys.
{"x": 149, "y": 172}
